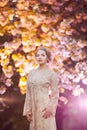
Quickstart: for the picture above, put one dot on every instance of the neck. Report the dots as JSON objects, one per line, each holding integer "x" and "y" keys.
{"x": 42, "y": 66}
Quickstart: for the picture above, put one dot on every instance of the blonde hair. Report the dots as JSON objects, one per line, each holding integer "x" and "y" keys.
{"x": 47, "y": 51}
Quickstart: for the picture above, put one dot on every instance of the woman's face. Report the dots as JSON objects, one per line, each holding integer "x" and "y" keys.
{"x": 41, "y": 57}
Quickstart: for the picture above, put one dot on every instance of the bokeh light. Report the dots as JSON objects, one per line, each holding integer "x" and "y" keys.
{"x": 24, "y": 26}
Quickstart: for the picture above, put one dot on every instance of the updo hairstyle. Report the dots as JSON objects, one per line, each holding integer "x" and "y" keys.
{"x": 47, "y": 51}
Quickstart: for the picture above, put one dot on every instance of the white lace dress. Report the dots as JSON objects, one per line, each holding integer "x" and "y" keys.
{"x": 39, "y": 83}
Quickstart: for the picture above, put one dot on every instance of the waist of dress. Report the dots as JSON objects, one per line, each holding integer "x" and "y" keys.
{"x": 39, "y": 85}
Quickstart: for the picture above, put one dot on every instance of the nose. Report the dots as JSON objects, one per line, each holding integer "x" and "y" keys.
{"x": 39, "y": 56}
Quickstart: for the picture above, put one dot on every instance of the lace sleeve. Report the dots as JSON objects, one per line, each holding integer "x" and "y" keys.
{"x": 27, "y": 103}
{"x": 55, "y": 93}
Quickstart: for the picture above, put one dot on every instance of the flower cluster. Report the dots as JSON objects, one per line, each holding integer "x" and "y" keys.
{"x": 26, "y": 25}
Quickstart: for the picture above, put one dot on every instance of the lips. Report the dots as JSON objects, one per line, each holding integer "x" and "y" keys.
{"x": 39, "y": 60}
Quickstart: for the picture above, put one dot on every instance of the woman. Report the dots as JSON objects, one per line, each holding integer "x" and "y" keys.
{"x": 42, "y": 94}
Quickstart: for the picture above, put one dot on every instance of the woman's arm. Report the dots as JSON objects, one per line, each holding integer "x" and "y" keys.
{"x": 51, "y": 108}
{"x": 27, "y": 104}
{"x": 55, "y": 93}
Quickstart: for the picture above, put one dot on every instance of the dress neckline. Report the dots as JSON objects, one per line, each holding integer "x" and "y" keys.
{"x": 43, "y": 68}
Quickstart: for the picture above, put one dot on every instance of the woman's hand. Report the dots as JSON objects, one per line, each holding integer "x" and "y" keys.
{"x": 29, "y": 117}
{"x": 46, "y": 113}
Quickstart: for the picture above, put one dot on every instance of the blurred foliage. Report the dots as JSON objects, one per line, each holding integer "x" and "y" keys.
{"x": 60, "y": 25}
{"x": 11, "y": 117}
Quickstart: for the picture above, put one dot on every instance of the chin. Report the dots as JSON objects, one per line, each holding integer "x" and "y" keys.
{"x": 40, "y": 63}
